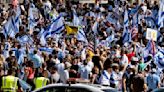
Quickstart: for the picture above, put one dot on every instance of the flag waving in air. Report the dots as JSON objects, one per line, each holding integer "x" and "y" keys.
{"x": 161, "y": 14}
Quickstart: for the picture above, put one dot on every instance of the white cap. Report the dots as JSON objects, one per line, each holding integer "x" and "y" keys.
{"x": 153, "y": 70}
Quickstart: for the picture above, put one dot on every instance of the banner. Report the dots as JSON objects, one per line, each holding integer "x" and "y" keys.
{"x": 151, "y": 34}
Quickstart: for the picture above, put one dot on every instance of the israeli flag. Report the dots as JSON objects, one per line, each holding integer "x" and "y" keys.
{"x": 25, "y": 39}
{"x": 127, "y": 36}
{"x": 33, "y": 13}
{"x": 17, "y": 19}
{"x": 81, "y": 35}
{"x": 76, "y": 20}
{"x": 95, "y": 27}
{"x": 46, "y": 49}
{"x": 9, "y": 28}
{"x": 161, "y": 15}
{"x": 126, "y": 20}
{"x": 43, "y": 40}
{"x": 110, "y": 38}
{"x": 56, "y": 27}
{"x": 159, "y": 58}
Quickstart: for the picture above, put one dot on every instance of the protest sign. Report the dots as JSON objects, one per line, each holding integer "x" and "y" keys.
{"x": 151, "y": 34}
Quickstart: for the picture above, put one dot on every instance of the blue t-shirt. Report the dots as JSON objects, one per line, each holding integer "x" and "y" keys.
{"x": 152, "y": 81}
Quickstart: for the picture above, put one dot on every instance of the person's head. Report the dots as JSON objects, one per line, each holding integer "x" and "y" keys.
{"x": 35, "y": 51}
{"x": 130, "y": 68}
{"x": 75, "y": 61}
{"x": 122, "y": 52}
{"x": 95, "y": 70}
{"x": 153, "y": 71}
{"x": 10, "y": 53}
{"x": 19, "y": 46}
{"x": 53, "y": 70}
{"x": 108, "y": 67}
{"x": 68, "y": 65}
{"x": 45, "y": 73}
{"x": 115, "y": 67}
{"x": 12, "y": 71}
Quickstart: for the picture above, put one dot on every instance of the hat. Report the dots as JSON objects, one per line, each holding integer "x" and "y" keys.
{"x": 115, "y": 64}
{"x": 153, "y": 70}
{"x": 131, "y": 67}
{"x": 134, "y": 59}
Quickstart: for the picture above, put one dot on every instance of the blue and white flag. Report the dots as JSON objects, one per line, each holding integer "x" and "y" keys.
{"x": 159, "y": 58}
{"x": 95, "y": 27}
{"x": 17, "y": 19}
{"x": 110, "y": 38}
{"x": 126, "y": 20}
{"x": 127, "y": 36}
{"x": 9, "y": 28}
{"x": 161, "y": 15}
{"x": 56, "y": 27}
{"x": 150, "y": 21}
{"x": 43, "y": 39}
{"x": 76, "y": 20}
{"x": 21, "y": 59}
{"x": 33, "y": 15}
{"x": 135, "y": 20}
{"x": 46, "y": 49}
{"x": 81, "y": 35}
{"x": 25, "y": 39}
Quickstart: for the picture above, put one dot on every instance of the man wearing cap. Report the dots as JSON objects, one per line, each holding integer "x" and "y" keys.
{"x": 153, "y": 80}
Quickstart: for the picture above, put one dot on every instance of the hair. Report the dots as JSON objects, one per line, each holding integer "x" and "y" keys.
{"x": 10, "y": 52}
{"x": 35, "y": 51}
{"x": 11, "y": 71}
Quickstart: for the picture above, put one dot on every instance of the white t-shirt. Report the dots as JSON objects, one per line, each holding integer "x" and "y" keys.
{"x": 64, "y": 76}
{"x": 55, "y": 77}
{"x": 124, "y": 60}
{"x": 84, "y": 72}
{"x": 105, "y": 78}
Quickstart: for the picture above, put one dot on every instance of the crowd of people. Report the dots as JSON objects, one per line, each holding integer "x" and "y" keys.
{"x": 108, "y": 48}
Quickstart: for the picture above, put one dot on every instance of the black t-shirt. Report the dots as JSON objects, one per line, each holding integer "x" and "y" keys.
{"x": 138, "y": 83}
{"x": 71, "y": 74}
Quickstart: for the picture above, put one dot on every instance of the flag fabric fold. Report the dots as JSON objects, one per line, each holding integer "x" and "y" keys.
{"x": 81, "y": 35}
{"x": 56, "y": 27}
